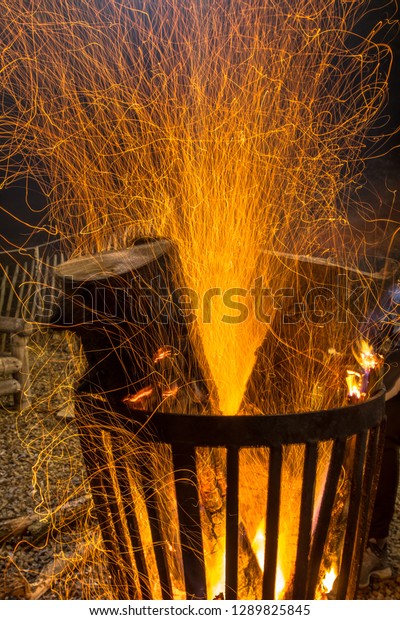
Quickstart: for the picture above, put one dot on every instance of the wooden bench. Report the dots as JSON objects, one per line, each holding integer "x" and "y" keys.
{"x": 14, "y": 364}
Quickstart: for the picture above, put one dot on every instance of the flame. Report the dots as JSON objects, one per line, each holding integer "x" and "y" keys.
{"x": 258, "y": 546}
{"x": 215, "y": 570}
{"x": 328, "y": 580}
{"x": 353, "y": 381}
{"x": 136, "y": 399}
{"x": 359, "y": 383}
{"x": 366, "y": 356}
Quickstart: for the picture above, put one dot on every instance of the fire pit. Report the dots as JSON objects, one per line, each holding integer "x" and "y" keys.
{"x": 198, "y": 506}
{"x": 354, "y": 435}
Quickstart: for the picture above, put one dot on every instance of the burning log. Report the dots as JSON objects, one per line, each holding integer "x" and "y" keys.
{"x": 125, "y": 307}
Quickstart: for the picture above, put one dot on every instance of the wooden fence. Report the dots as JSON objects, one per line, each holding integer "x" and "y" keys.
{"x": 28, "y": 292}
{"x": 28, "y": 283}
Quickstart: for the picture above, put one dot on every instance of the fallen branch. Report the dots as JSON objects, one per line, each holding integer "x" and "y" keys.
{"x": 52, "y": 571}
{"x": 38, "y": 528}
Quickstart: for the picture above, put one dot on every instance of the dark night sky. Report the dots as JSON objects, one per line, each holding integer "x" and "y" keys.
{"x": 29, "y": 204}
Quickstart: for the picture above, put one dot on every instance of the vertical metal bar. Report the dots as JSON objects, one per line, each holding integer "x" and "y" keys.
{"x": 324, "y": 516}
{"x": 131, "y": 520}
{"x": 305, "y": 525}
{"x": 352, "y": 518}
{"x": 114, "y": 508}
{"x": 376, "y": 439}
{"x": 272, "y": 522}
{"x": 187, "y": 496}
{"x": 232, "y": 524}
{"x": 90, "y": 451}
{"x": 159, "y": 544}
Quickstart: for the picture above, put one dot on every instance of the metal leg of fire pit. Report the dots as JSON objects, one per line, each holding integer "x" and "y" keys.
{"x": 344, "y": 585}
{"x": 232, "y": 524}
{"x": 186, "y": 486}
{"x": 305, "y": 526}
{"x": 158, "y": 539}
{"x": 92, "y": 450}
{"x": 131, "y": 520}
{"x": 322, "y": 527}
{"x": 272, "y": 522}
{"x": 376, "y": 438}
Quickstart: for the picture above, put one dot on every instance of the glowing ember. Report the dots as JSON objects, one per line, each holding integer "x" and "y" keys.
{"x": 162, "y": 354}
{"x": 137, "y": 401}
{"x": 171, "y": 392}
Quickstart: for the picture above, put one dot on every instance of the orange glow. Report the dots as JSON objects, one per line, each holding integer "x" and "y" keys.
{"x": 328, "y": 581}
{"x": 259, "y": 544}
{"x": 353, "y": 381}
{"x": 170, "y": 392}
{"x": 136, "y": 400}
{"x": 259, "y": 551}
{"x": 162, "y": 354}
{"x": 366, "y": 356}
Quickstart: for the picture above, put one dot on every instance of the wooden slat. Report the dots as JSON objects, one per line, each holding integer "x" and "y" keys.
{"x": 3, "y": 286}
{"x": 9, "y": 365}
{"x": 53, "y": 280}
{"x": 26, "y": 291}
{"x": 9, "y": 386}
{"x": 11, "y": 325}
{"x": 19, "y": 350}
{"x": 19, "y": 294}
{"x": 4, "y": 283}
{"x": 12, "y": 291}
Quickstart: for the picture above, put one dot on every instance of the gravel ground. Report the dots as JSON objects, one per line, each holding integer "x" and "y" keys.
{"x": 32, "y": 479}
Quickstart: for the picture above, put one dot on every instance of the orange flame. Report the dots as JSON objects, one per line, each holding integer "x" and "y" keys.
{"x": 259, "y": 551}
{"x": 366, "y": 357}
{"x": 328, "y": 581}
{"x": 353, "y": 381}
